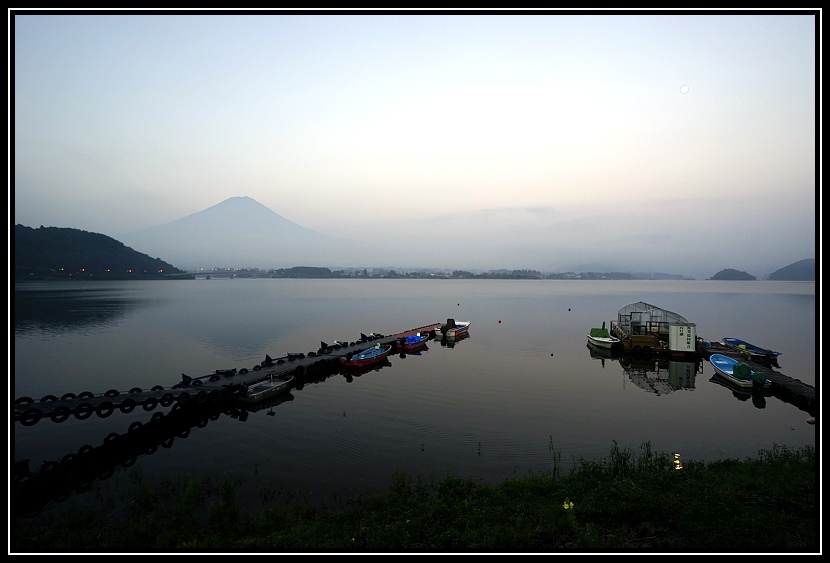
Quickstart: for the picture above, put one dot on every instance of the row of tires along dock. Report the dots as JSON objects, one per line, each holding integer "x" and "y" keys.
{"x": 221, "y": 386}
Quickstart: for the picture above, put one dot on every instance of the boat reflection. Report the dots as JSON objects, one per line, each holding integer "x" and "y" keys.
{"x": 602, "y": 354}
{"x": 269, "y": 404}
{"x": 350, "y": 372}
{"x": 743, "y": 394}
{"x": 451, "y": 342}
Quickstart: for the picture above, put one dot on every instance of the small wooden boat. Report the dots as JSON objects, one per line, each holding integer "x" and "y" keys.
{"x": 601, "y": 338}
{"x": 751, "y": 349}
{"x": 453, "y": 329}
{"x": 368, "y": 356}
{"x": 265, "y": 389}
{"x": 737, "y": 372}
{"x": 413, "y": 342}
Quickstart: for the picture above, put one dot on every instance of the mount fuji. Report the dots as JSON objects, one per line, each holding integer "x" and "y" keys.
{"x": 242, "y": 233}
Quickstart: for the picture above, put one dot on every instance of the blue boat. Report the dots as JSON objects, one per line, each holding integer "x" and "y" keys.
{"x": 737, "y": 372}
{"x": 367, "y": 357}
{"x": 413, "y": 342}
{"x": 752, "y": 349}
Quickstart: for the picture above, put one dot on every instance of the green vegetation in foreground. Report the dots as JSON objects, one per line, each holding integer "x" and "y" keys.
{"x": 624, "y": 503}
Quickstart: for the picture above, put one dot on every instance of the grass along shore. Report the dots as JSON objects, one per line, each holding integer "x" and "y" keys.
{"x": 627, "y": 502}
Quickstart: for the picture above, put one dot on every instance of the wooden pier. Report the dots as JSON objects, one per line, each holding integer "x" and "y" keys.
{"x": 783, "y": 387}
{"x": 218, "y": 387}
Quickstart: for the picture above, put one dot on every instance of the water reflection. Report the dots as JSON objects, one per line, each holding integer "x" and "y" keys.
{"x": 451, "y": 342}
{"x": 350, "y": 372}
{"x": 757, "y": 394}
{"x": 661, "y": 375}
{"x": 67, "y": 310}
{"x": 602, "y": 354}
{"x": 75, "y": 472}
{"x": 657, "y": 375}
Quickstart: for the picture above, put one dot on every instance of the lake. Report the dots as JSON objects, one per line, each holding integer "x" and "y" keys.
{"x": 522, "y": 389}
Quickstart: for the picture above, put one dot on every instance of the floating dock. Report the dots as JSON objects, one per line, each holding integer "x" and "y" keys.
{"x": 218, "y": 387}
{"x": 784, "y": 387}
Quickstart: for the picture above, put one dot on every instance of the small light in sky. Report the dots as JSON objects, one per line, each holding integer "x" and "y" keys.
{"x": 684, "y": 89}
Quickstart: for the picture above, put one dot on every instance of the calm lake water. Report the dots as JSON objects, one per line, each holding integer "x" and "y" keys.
{"x": 523, "y": 387}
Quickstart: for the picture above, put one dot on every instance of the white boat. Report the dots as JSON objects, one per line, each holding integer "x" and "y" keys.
{"x": 265, "y": 389}
{"x": 601, "y": 338}
{"x": 453, "y": 329}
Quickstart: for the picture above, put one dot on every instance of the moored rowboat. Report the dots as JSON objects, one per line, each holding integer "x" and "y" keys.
{"x": 453, "y": 329}
{"x": 368, "y": 356}
{"x": 265, "y": 389}
{"x": 737, "y": 372}
{"x": 601, "y": 338}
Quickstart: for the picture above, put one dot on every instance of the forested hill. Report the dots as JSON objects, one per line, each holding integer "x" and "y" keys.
{"x": 803, "y": 270}
{"x": 58, "y": 253}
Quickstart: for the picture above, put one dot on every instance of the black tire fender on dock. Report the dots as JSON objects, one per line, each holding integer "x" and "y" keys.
{"x": 105, "y": 409}
{"x": 127, "y": 406}
{"x": 23, "y": 400}
{"x": 157, "y": 388}
{"x": 150, "y": 403}
{"x": 85, "y": 395}
{"x": 167, "y": 399}
{"x": 30, "y": 417}
{"x": 48, "y": 399}
{"x": 67, "y": 396}
{"x": 48, "y": 466}
{"x": 60, "y": 414}
{"x": 202, "y": 396}
{"x": 112, "y": 393}
{"x": 83, "y": 411}
{"x": 136, "y": 390}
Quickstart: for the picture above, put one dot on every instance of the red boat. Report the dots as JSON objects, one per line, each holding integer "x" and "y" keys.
{"x": 368, "y": 356}
{"x": 413, "y": 342}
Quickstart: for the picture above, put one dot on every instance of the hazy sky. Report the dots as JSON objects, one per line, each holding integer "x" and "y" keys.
{"x": 683, "y": 143}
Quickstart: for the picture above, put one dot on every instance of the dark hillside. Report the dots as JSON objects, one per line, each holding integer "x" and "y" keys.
{"x": 59, "y": 253}
{"x": 732, "y": 274}
{"x": 803, "y": 270}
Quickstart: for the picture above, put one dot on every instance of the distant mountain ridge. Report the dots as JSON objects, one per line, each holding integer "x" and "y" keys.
{"x": 52, "y": 252}
{"x": 803, "y": 270}
{"x": 241, "y": 233}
